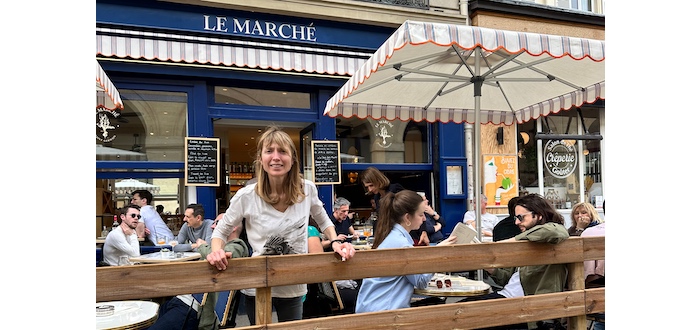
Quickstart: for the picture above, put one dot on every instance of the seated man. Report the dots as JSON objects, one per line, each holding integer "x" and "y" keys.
{"x": 538, "y": 222}
{"x": 488, "y": 220}
{"x": 122, "y": 240}
{"x": 195, "y": 231}
{"x": 343, "y": 225}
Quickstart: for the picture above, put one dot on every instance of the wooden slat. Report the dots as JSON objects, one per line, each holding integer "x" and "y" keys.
{"x": 161, "y": 280}
{"x": 285, "y": 270}
{"x": 262, "y": 273}
{"x": 148, "y": 280}
{"x": 468, "y": 315}
{"x": 593, "y": 248}
{"x": 595, "y": 300}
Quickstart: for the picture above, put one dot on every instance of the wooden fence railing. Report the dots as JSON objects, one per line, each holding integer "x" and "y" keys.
{"x": 262, "y": 273}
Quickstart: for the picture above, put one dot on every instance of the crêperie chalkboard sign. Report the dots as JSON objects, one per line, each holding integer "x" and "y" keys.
{"x": 201, "y": 161}
{"x": 326, "y": 159}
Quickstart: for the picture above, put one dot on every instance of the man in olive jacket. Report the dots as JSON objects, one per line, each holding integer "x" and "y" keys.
{"x": 538, "y": 222}
{"x": 540, "y": 278}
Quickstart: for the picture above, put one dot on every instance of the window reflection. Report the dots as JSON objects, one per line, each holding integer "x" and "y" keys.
{"x": 381, "y": 141}
{"x": 562, "y": 179}
{"x": 261, "y": 97}
{"x": 151, "y": 127}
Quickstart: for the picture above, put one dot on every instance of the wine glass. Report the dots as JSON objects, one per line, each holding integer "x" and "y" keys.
{"x": 367, "y": 231}
{"x": 172, "y": 243}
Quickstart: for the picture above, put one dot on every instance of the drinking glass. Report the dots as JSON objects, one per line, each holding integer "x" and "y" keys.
{"x": 172, "y": 243}
{"x": 161, "y": 240}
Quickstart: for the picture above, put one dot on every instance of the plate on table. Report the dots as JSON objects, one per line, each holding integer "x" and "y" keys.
{"x": 457, "y": 284}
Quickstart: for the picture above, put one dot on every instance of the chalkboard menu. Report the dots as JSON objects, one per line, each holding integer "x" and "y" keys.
{"x": 326, "y": 161}
{"x": 201, "y": 161}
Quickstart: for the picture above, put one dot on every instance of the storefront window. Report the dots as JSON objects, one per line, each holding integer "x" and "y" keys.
{"x": 570, "y": 169}
{"x": 151, "y": 127}
{"x": 261, "y": 97}
{"x": 382, "y": 141}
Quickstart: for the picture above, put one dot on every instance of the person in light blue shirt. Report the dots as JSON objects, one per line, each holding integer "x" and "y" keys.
{"x": 400, "y": 213}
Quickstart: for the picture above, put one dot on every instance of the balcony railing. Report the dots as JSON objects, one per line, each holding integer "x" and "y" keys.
{"x": 421, "y": 4}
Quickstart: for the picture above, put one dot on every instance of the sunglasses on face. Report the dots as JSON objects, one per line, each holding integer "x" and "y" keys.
{"x": 135, "y": 216}
{"x": 521, "y": 216}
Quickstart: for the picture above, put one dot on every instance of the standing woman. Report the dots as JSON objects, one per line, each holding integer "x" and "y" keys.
{"x": 276, "y": 210}
{"x": 377, "y": 184}
{"x": 583, "y": 215}
{"x": 399, "y": 214}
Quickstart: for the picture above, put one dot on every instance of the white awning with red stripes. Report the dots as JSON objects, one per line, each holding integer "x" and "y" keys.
{"x": 107, "y": 94}
{"x": 169, "y": 47}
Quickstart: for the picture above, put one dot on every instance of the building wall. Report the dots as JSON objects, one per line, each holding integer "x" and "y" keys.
{"x": 536, "y": 25}
{"x": 352, "y": 11}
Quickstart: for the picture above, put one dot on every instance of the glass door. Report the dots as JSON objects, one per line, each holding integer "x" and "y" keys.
{"x": 305, "y": 138}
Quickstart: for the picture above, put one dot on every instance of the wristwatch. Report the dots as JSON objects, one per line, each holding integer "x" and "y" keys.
{"x": 434, "y": 214}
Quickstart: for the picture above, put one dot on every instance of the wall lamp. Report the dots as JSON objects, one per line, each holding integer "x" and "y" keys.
{"x": 499, "y": 136}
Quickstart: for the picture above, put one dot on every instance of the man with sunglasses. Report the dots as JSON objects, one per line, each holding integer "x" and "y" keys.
{"x": 122, "y": 240}
{"x": 152, "y": 225}
{"x": 538, "y": 222}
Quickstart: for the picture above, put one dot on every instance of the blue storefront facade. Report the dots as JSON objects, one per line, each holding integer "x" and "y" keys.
{"x": 191, "y": 71}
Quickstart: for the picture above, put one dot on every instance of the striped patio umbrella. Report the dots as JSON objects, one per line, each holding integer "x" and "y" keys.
{"x": 459, "y": 73}
{"x": 107, "y": 94}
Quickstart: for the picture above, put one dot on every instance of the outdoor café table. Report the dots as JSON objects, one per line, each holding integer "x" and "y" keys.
{"x": 361, "y": 245}
{"x": 161, "y": 257}
{"x": 460, "y": 287}
{"x": 131, "y": 314}
{"x": 101, "y": 240}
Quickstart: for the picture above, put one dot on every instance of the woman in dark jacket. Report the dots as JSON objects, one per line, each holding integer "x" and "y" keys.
{"x": 377, "y": 184}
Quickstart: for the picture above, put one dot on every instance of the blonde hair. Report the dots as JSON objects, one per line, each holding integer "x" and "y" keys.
{"x": 293, "y": 182}
{"x": 590, "y": 209}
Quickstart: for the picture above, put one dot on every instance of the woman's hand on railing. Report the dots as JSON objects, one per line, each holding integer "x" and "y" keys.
{"x": 218, "y": 259}
{"x": 345, "y": 250}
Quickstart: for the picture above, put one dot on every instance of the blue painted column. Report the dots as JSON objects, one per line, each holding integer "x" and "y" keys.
{"x": 200, "y": 125}
{"x": 449, "y": 146}
{"x": 325, "y": 130}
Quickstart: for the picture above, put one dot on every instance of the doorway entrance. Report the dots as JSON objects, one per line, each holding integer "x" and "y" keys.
{"x": 239, "y": 140}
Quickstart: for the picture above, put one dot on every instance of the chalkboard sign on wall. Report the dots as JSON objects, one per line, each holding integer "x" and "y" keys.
{"x": 201, "y": 161}
{"x": 326, "y": 161}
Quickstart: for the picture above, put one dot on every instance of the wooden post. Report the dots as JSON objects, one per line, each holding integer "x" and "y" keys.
{"x": 576, "y": 282}
{"x": 263, "y": 305}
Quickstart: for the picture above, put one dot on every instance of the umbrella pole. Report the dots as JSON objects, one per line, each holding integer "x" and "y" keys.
{"x": 478, "y": 81}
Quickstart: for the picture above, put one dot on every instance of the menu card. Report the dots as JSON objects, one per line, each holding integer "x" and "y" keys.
{"x": 465, "y": 234}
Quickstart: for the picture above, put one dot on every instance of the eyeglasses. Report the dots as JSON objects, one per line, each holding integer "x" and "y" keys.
{"x": 135, "y": 216}
{"x": 521, "y": 216}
